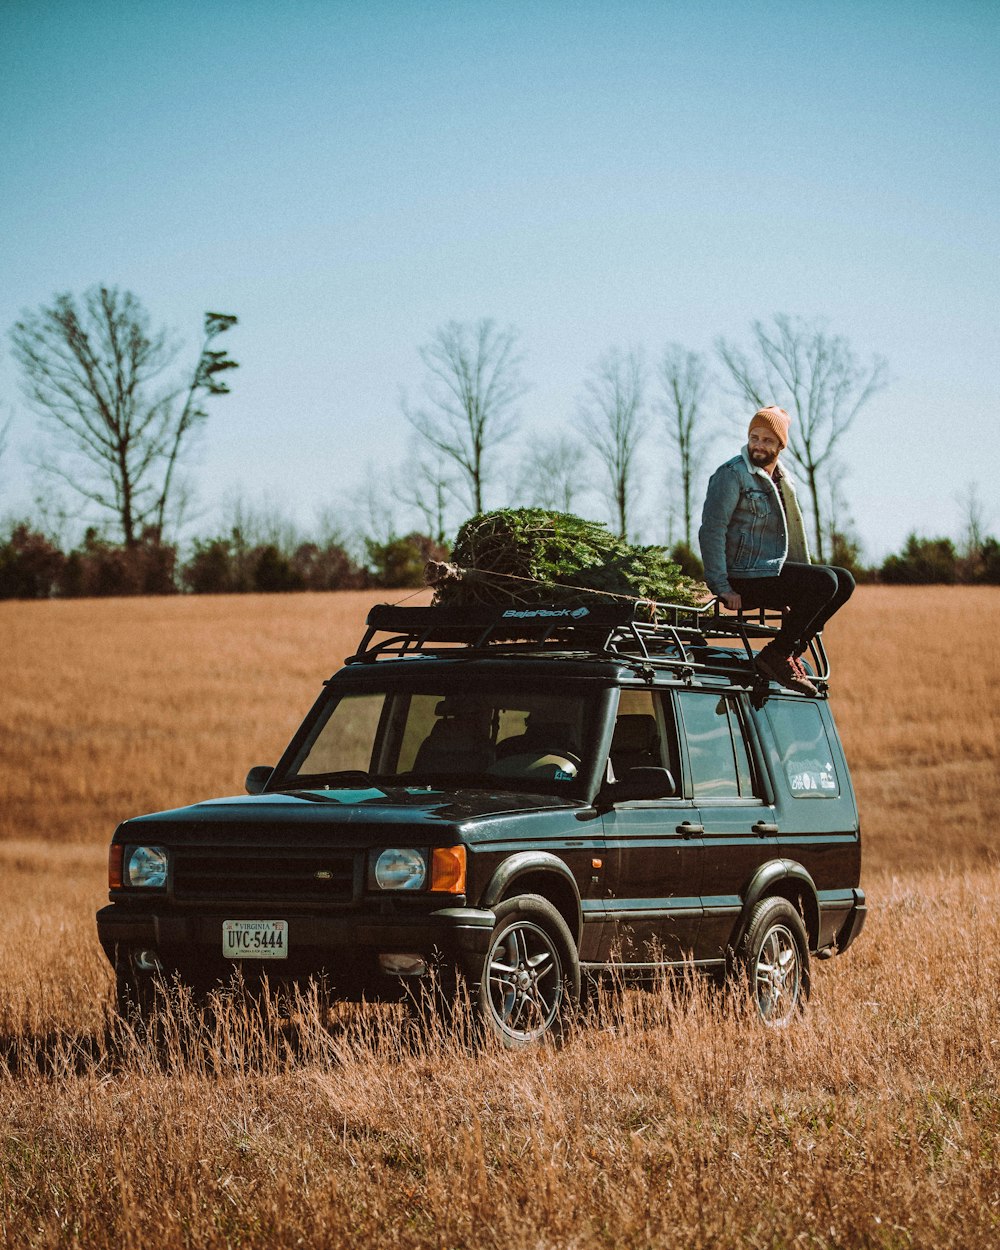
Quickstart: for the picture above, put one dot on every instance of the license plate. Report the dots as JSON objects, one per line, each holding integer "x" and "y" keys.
{"x": 255, "y": 939}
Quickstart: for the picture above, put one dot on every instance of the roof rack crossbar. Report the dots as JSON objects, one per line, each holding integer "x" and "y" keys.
{"x": 637, "y": 635}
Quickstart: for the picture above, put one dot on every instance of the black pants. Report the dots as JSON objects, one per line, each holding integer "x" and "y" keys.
{"x": 811, "y": 593}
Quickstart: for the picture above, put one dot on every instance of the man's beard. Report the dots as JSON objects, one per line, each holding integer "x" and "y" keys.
{"x": 763, "y": 458}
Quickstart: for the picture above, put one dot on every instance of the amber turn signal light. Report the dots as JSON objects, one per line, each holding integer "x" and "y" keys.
{"x": 116, "y": 856}
{"x": 448, "y": 869}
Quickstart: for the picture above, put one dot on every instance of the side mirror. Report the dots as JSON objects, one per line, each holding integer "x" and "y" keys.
{"x": 257, "y": 778}
{"x": 643, "y": 783}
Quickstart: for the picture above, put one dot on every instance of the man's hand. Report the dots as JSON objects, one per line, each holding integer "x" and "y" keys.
{"x": 732, "y": 601}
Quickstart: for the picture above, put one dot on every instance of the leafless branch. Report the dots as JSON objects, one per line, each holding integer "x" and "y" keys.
{"x": 425, "y": 485}
{"x": 552, "y": 474}
{"x": 614, "y": 420}
{"x": 975, "y": 520}
{"x": 474, "y": 381}
{"x": 684, "y": 379}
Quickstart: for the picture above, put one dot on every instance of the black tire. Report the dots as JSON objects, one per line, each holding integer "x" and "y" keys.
{"x": 531, "y": 973}
{"x": 773, "y": 960}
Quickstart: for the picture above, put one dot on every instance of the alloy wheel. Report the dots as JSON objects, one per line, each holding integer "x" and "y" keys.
{"x": 525, "y": 981}
{"x": 778, "y": 975}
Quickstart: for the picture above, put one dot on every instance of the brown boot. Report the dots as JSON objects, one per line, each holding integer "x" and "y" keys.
{"x": 779, "y": 666}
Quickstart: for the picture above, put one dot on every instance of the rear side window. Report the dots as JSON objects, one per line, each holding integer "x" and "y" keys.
{"x": 720, "y": 763}
{"x": 803, "y": 749}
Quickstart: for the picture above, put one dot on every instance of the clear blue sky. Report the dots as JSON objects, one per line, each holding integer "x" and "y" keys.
{"x": 345, "y": 177}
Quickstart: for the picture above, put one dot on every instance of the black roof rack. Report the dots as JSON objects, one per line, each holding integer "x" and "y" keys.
{"x": 674, "y": 635}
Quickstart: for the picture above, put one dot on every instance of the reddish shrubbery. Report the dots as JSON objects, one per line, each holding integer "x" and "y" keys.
{"x": 32, "y": 566}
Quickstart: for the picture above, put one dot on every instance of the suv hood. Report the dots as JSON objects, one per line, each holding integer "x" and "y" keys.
{"x": 318, "y": 811}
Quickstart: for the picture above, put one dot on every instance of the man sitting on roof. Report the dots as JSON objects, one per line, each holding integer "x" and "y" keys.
{"x": 753, "y": 545}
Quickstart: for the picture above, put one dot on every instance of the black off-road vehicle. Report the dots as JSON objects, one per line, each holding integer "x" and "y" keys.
{"x": 524, "y": 799}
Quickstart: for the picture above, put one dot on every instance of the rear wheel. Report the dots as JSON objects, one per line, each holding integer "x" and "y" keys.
{"x": 774, "y": 958}
{"x": 531, "y": 974}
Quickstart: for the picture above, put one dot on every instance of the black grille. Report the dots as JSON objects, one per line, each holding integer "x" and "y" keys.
{"x": 311, "y": 876}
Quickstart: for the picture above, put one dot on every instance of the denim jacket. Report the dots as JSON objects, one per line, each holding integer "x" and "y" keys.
{"x": 745, "y": 532}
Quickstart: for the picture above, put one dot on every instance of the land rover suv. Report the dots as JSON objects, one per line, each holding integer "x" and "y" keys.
{"x": 521, "y": 801}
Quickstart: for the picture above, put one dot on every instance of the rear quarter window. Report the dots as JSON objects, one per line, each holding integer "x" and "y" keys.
{"x": 804, "y": 750}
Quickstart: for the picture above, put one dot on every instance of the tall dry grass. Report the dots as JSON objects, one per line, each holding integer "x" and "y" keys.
{"x": 671, "y": 1120}
{"x": 112, "y": 708}
{"x": 116, "y": 707}
{"x": 916, "y": 694}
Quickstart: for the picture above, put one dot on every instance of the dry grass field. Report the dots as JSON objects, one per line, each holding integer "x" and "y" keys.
{"x": 669, "y": 1121}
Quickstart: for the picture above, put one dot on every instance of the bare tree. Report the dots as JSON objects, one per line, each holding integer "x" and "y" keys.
{"x": 204, "y": 381}
{"x": 685, "y": 380}
{"x": 817, "y": 375}
{"x": 613, "y": 418}
{"x": 974, "y": 521}
{"x": 261, "y": 522}
{"x": 835, "y": 509}
{"x": 474, "y": 381}
{"x": 552, "y": 474}
{"x": 375, "y": 513}
{"x": 843, "y": 547}
{"x": 4, "y": 435}
{"x": 93, "y": 371}
{"x": 336, "y": 527}
{"x": 425, "y": 485}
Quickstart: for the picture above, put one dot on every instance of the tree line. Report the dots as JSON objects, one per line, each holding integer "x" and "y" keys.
{"x": 32, "y": 566}
{"x": 118, "y": 419}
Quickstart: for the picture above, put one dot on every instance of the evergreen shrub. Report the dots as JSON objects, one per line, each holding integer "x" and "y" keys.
{"x": 532, "y": 555}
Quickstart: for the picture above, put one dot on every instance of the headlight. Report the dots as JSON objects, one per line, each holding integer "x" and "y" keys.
{"x": 401, "y": 869}
{"x": 146, "y": 866}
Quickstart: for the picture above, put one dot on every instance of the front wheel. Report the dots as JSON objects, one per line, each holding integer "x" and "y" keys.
{"x": 531, "y": 974}
{"x": 774, "y": 957}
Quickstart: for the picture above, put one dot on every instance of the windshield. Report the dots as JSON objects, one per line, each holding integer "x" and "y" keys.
{"x": 520, "y": 740}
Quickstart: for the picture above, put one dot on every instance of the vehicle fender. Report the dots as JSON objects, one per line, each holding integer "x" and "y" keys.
{"x": 528, "y": 867}
{"x": 784, "y": 878}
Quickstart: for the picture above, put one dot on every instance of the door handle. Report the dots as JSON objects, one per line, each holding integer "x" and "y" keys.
{"x": 688, "y": 829}
{"x": 763, "y": 828}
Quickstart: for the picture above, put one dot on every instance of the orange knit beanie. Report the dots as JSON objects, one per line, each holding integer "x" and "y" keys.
{"x": 776, "y": 420}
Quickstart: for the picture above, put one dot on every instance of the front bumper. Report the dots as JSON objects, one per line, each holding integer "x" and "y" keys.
{"x": 343, "y": 950}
